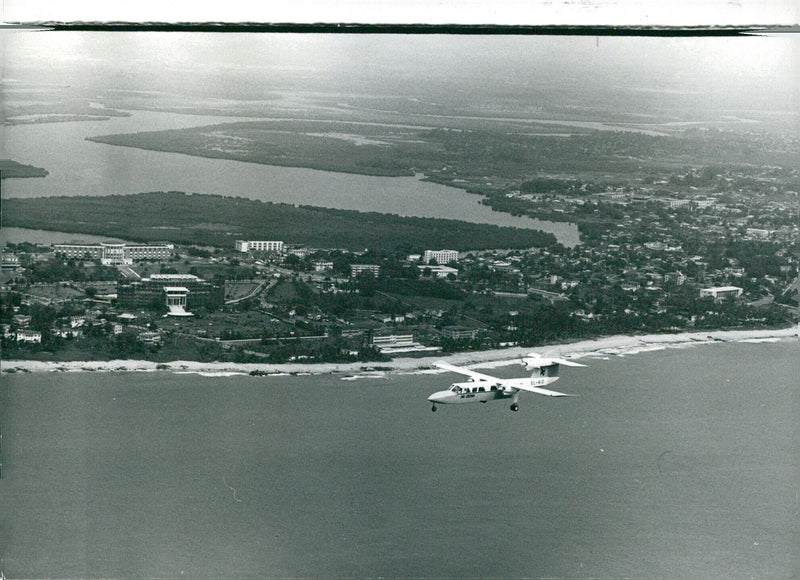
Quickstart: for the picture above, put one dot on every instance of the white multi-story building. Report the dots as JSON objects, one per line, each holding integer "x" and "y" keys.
{"x": 115, "y": 254}
{"x": 356, "y": 269}
{"x": 676, "y": 202}
{"x": 721, "y": 292}
{"x": 441, "y": 256}
{"x": 259, "y": 246}
{"x": 10, "y": 262}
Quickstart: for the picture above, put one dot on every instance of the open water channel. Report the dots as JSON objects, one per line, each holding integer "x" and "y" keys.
{"x": 81, "y": 167}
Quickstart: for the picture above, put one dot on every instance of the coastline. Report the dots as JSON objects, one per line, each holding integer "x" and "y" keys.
{"x": 598, "y": 347}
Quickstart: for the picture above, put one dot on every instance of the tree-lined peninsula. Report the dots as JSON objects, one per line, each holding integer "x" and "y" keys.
{"x": 217, "y": 220}
{"x": 10, "y": 168}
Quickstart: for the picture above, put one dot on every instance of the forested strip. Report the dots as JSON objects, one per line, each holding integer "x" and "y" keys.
{"x": 216, "y": 220}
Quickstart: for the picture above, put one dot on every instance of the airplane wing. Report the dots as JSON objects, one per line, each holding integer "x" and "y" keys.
{"x": 467, "y": 372}
{"x": 520, "y": 384}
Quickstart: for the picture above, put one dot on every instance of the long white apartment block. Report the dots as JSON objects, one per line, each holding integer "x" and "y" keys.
{"x": 259, "y": 246}
{"x": 721, "y": 292}
{"x": 115, "y": 254}
{"x": 442, "y": 257}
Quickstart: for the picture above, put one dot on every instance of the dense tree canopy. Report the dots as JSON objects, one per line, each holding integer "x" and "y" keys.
{"x": 219, "y": 221}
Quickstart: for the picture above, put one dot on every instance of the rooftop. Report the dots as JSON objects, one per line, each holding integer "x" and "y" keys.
{"x": 173, "y": 277}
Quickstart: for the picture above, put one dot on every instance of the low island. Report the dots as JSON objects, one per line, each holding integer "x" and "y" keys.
{"x": 10, "y": 168}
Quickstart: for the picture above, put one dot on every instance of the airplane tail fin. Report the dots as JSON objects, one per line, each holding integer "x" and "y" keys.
{"x": 546, "y": 367}
{"x": 550, "y": 370}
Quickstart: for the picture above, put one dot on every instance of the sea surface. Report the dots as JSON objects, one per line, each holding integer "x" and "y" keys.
{"x": 678, "y": 463}
{"x": 80, "y": 167}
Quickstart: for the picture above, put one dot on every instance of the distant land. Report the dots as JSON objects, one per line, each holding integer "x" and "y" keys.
{"x": 472, "y": 154}
{"x": 9, "y": 168}
{"x": 216, "y": 220}
{"x": 56, "y": 110}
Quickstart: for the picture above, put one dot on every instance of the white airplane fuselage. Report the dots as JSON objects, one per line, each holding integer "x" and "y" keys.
{"x": 483, "y": 391}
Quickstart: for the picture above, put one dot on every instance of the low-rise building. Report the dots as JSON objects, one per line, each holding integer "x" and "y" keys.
{"x": 150, "y": 337}
{"x": 757, "y": 233}
{"x": 460, "y": 332}
{"x": 30, "y": 336}
{"x": 397, "y": 343}
{"x": 392, "y": 341}
{"x": 440, "y": 271}
{"x": 323, "y": 266}
{"x": 10, "y": 261}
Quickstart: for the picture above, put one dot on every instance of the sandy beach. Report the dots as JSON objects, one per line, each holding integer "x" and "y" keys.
{"x": 606, "y": 346}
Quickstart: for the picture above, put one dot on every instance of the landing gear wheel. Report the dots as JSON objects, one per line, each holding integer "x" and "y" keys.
{"x": 515, "y": 407}
{"x": 433, "y": 408}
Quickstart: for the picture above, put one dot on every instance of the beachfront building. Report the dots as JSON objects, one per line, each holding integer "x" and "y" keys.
{"x": 178, "y": 292}
{"x": 259, "y": 246}
{"x": 397, "y": 343}
{"x": 721, "y": 292}
{"x": 115, "y": 254}
{"x": 441, "y": 256}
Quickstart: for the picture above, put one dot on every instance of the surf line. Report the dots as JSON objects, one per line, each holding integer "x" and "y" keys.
{"x": 230, "y": 488}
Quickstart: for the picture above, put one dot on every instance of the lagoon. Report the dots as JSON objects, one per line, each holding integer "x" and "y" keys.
{"x": 47, "y": 238}
{"x": 80, "y": 167}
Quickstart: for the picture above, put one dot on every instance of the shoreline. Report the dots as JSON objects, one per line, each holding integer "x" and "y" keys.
{"x": 599, "y": 347}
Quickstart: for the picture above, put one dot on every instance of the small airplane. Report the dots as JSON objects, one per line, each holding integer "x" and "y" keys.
{"x": 482, "y": 388}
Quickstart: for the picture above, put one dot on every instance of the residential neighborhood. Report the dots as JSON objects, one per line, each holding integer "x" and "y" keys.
{"x": 646, "y": 263}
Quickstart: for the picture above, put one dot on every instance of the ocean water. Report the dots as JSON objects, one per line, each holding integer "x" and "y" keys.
{"x": 679, "y": 463}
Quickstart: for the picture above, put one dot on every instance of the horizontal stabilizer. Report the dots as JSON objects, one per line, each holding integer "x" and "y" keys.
{"x": 535, "y": 361}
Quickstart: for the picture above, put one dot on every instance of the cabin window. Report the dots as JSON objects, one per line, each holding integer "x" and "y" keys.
{"x": 494, "y": 388}
{"x": 482, "y": 390}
